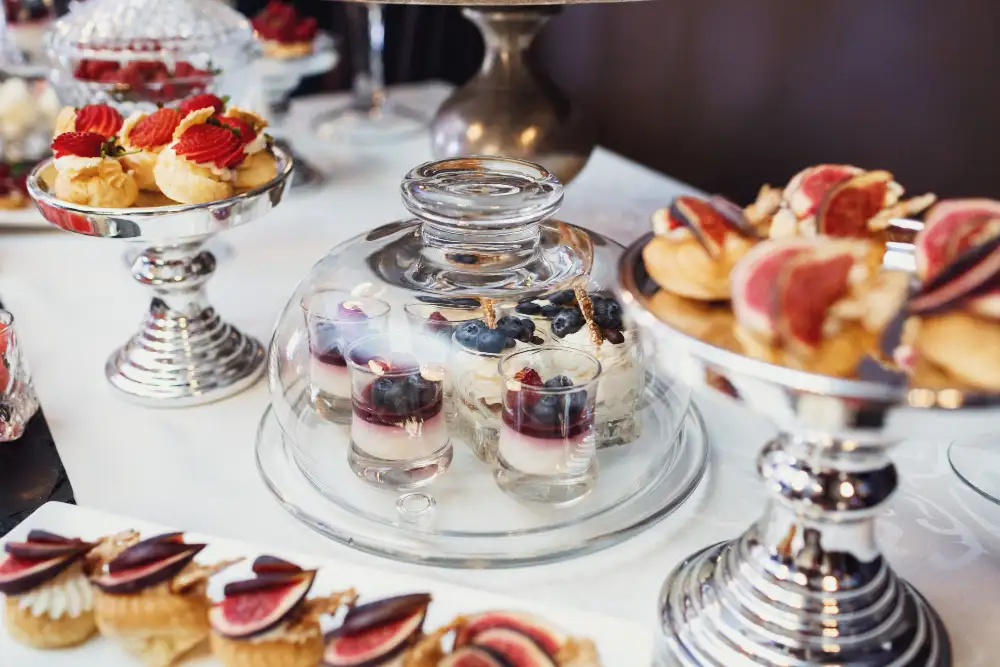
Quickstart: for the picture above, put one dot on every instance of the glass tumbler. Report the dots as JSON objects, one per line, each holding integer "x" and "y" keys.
{"x": 334, "y": 320}
{"x": 548, "y": 447}
{"x": 399, "y": 434}
{"x": 17, "y": 396}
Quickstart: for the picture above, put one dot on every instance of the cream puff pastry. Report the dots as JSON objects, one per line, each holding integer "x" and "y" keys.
{"x": 143, "y": 136}
{"x": 151, "y": 598}
{"x": 199, "y": 165}
{"x": 90, "y": 171}
{"x": 698, "y": 242}
{"x": 49, "y": 603}
{"x": 259, "y": 167}
{"x": 267, "y": 621}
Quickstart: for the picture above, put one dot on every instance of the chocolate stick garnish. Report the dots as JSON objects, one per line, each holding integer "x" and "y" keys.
{"x": 587, "y": 308}
{"x": 489, "y": 313}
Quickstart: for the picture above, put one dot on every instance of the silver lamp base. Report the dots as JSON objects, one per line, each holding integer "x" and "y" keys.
{"x": 184, "y": 354}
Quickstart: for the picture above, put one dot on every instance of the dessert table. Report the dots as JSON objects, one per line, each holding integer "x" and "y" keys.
{"x": 194, "y": 468}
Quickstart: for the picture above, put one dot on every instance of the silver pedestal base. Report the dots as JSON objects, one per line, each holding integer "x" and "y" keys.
{"x": 184, "y": 353}
{"x": 722, "y": 608}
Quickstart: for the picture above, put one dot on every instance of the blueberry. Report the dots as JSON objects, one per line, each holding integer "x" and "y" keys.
{"x": 567, "y": 322}
{"x": 509, "y": 325}
{"x": 546, "y": 410}
{"x": 491, "y": 340}
{"x": 391, "y": 395}
{"x": 528, "y": 308}
{"x": 510, "y": 343}
{"x": 422, "y": 391}
{"x": 613, "y": 336}
{"x": 607, "y": 313}
{"x": 468, "y": 332}
{"x": 381, "y": 389}
{"x": 558, "y": 381}
{"x": 528, "y": 326}
{"x": 551, "y": 310}
{"x": 577, "y": 402}
{"x": 563, "y": 298}
{"x": 536, "y": 340}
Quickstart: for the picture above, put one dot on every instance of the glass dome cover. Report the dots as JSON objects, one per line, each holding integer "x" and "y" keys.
{"x": 482, "y": 238}
{"x": 148, "y": 51}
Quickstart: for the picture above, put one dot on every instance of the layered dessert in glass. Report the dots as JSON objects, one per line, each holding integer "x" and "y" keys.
{"x": 334, "y": 320}
{"x": 478, "y": 389}
{"x": 399, "y": 435}
{"x": 593, "y": 322}
{"x": 547, "y": 448}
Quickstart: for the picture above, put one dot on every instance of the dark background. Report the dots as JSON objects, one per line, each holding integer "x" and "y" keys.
{"x": 728, "y": 94}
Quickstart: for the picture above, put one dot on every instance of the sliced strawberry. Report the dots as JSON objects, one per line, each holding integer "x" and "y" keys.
{"x": 155, "y": 129}
{"x": 242, "y": 128}
{"x": 306, "y": 30}
{"x": 210, "y": 143}
{"x": 529, "y": 376}
{"x": 99, "y": 118}
{"x": 202, "y": 101}
{"x": 80, "y": 144}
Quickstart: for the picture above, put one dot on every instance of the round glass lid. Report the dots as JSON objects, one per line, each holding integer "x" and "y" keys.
{"x": 472, "y": 357}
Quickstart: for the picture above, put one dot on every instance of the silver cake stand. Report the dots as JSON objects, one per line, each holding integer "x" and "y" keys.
{"x": 184, "y": 353}
{"x": 806, "y": 584}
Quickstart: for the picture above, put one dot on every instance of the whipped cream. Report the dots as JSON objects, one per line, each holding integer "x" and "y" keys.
{"x": 75, "y": 163}
{"x": 622, "y": 376}
{"x": 69, "y": 594}
{"x": 258, "y": 144}
{"x": 18, "y": 109}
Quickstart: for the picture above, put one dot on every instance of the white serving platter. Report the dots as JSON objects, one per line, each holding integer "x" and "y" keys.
{"x": 620, "y": 643}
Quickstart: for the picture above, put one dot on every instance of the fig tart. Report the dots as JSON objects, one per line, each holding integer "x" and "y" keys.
{"x": 382, "y": 633}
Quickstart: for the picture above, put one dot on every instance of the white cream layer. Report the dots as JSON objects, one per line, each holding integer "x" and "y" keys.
{"x": 412, "y": 440}
{"x": 330, "y": 379}
{"x": 69, "y": 594}
{"x": 546, "y": 456}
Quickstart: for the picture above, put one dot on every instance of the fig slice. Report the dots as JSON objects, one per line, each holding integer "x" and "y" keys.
{"x": 516, "y": 648}
{"x": 150, "y": 550}
{"x": 755, "y": 278}
{"x": 696, "y": 215}
{"x": 380, "y": 612}
{"x": 849, "y": 206}
{"x": 973, "y": 273}
{"x": 44, "y": 536}
{"x": 808, "y": 286}
{"x": 475, "y": 656}
{"x": 950, "y": 227}
{"x": 268, "y": 564}
{"x": 266, "y": 581}
{"x": 32, "y": 550}
{"x": 255, "y": 612}
{"x": 550, "y": 639}
{"x": 807, "y": 189}
{"x": 148, "y": 574}
{"x": 375, "y": 645}
{"x": 734, "y": 216}
{"x": 19, "y": 575}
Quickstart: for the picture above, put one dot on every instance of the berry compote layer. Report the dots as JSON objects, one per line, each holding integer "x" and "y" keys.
{"x": 546, "y": 433}
{"x": 328, "y": 341}
{"x": 399, "y": 416}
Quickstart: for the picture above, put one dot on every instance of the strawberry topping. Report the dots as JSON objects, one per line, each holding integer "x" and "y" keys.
{"x": 242, "y": 128}
{"x": 281, "y": 22}
{"x": 80, "y": 144}
{"x": 529, "y": 376}
{"x": 202, "y": 101}
{"x": 211, "y": 143}
{"x": 155, "y": 129}
{"x": 99, "y": 118}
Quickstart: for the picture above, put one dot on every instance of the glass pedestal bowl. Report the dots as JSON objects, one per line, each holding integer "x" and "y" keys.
{"x": 482, "y": 241}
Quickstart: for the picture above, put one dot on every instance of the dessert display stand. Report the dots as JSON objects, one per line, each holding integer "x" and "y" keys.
{"x": 481, "y": 229}
{"x": 184, "y": 353}
{"x": 806, "y": 584}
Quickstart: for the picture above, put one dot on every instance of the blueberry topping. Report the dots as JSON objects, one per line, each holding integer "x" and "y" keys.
{"x": 558, "y": 381}
{"x": 391, "y": 395}
{"x": 550, "y": 310}
{"x": 613, "y": 336}
{"x": 528, "y": 325}
{"x": 607, "y": 313}
{"x": 467, "y": 333}
{"x": 546, "y": 410}
{"x": 535, "y": 340}
{"x": 528, "y": 308}
{"x": 563, "y": 298}
{"x": 422, "y": 391}
{"x": 491, "y": 340}
{"x": 567, "y": 322}
{"x": 577, "y": 402}
{"x": 510, "y": 343}
{"x": 511, "y": 326}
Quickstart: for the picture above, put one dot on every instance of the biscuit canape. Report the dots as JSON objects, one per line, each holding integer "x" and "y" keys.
{"x": 381, "y": 633}
{"x": 49, "y": 602}
{"x": 817, "y": 304}
{"x": 698, "y": 242}
{"x": 89, "y": 171}
{"x": 100, "y": 118}
{"x": 199, "y": 165}
{"x": 844, "y": 201}
{"x": 954, "y": 326}
{"x": 268, "y": 621}
{"x": 151, "y": 598}
{"x": 283, "y": 33}
{"x": 143, "y": 136}
{"x": 500, "y": 638}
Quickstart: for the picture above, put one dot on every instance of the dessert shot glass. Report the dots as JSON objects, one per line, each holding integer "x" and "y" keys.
{"x": 17, "y": 395}
{"x": 548, "y": 451}
{"x": 478, "y": 389}
{"x": 334, "y": 320}
{"x": 399, "y": 435}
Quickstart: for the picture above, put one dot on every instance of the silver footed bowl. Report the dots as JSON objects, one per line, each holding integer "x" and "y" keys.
{"x": 806, "y": 584}
{"x": 184, "y": 353}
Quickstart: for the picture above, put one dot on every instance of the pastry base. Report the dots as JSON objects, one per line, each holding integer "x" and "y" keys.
{"x": 13, "y": 201}
{"x": 155, "y": 625}
{"x": 277, "y": 653}
{"x": 578, "y": 653}
{"x": 964, "y": 346}
{"x": 837, "y": 356}
{"x": 188, "y": 183}
{"x": 258, "y": 169}
{"x": 712, "y": 323}
{"x": 104, "y": 185}
{"x": 683, "y": 267}
{"x": 286, "y": 51}
{"x": 45, "y": 632}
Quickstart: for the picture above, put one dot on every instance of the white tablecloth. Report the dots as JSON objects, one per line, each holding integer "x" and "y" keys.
{"x": 194, "y": 468}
